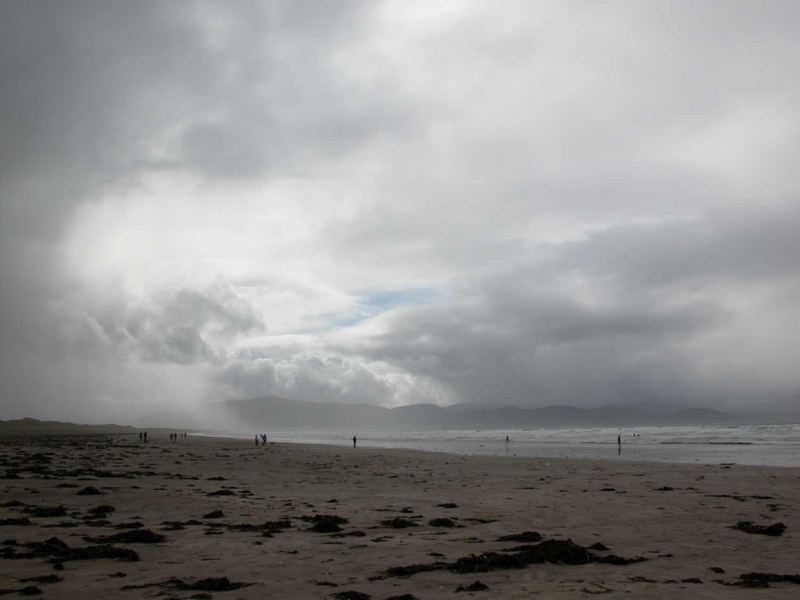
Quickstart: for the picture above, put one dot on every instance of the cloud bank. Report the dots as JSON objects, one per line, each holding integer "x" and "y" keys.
{"x": 397, "y": 202}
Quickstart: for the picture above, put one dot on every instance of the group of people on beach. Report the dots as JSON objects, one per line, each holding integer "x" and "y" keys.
{"x": 173, "y": 437}
{"x": 263, "y": 437}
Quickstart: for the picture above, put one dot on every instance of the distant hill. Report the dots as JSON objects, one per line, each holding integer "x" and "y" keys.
{"x": 281, "y": 414}
{"x": 273, "y": 413}
{"x": 780, "y": 410}
{"x": 36, "y": 427}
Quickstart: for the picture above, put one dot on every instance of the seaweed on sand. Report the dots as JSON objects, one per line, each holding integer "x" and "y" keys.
{"x": 564, "y": 552}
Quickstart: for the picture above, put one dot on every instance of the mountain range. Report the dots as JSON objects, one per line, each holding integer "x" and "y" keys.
{"x": 272, "y": 413}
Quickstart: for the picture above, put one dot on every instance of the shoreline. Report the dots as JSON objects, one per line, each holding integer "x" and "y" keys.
{"x": 445, "y": 453}
{"x": 162, "y": 432}
{"x": 668, "y": 452}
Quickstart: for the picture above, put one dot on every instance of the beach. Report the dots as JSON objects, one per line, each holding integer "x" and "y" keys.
{"x": 221, "y": 518}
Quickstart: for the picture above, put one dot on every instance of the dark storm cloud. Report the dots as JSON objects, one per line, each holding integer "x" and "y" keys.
{"x": 524, "y": 337}
{"x": 83, "y": 83}
{"x": 730, "y": 247}
{"x": 611, "y": 318}
{"x": 180, "y": 327}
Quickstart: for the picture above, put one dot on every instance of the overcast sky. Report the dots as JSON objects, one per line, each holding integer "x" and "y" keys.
{"x": 523, "y": 203}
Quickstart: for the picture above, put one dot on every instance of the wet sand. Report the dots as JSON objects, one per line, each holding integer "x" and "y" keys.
{"x": 301, "y": 521}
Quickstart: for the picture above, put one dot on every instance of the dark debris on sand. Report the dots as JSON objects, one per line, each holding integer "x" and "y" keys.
{"x": 223, "y": 492}
{"x": 324, "y": 523}
{"x": 16, "y": 522}
{"x": 525, "y": 536}
{"x": 46, "y": 512}
{"x": 30, "y": 590}
{"x": 266, "y": 529}
{"x": 129, "y": 525}
{"x": 42, "y": 579}
{"x": 409, "y": 570}
{"x": 178, "y": 525}
{"x": 551, "y": 551}
{"x": 134, "y": 536}
{"x": 762, "y": 580}
{"x": 58, "y": 551}
{"x": 599, "y": 546}
{"x": 442, "y": 522}
{"x": 101, "y": 511}
{"x": 350, "y": 595}
{"x": 775, "y": 529}
{"x": 475, "y": 586}
{"x": 210, "y": 584}
{"x": 398, "y": 523}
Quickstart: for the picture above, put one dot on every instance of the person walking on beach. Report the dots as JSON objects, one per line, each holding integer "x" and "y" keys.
{"x": 263, "y": 439}
{"x": 354, "y": 441}
{"x": 256, "y": 440}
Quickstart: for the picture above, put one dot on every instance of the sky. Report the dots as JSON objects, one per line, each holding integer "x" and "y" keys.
{"x": 516, "y": 203}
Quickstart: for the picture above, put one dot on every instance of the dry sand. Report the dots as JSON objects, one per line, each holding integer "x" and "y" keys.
{"x": 678, "y": 517}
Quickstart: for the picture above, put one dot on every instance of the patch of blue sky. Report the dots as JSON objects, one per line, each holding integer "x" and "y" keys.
{"x": 374, "y": 303}
{"x": 380, "y": 301}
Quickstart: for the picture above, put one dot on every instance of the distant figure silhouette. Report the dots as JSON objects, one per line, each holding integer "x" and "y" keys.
{"x": 144, "y": 437}
{"x": 256, "y": 440}
{"x": 354, "y": 441}
{"x": 507, "y": 440}
{"x": 263, "y": 439}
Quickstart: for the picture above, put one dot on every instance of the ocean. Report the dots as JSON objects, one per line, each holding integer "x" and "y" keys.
{"x": 767, "y": 445}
